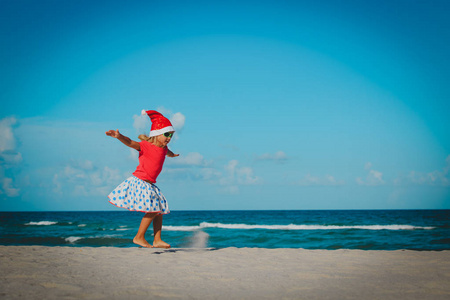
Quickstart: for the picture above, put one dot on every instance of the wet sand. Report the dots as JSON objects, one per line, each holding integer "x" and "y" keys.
{"x": 37, "y": 272}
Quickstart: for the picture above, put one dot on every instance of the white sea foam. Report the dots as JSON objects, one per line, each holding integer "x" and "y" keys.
{"x": 82, "y": 225}
{"x": 73, "y": 239}
{"x": 106, "y": 236}
{"x": 122, "y": 228}
{"x": 181, "y": 228}
{"x": 204, "y": 225}
{"x": 42, "y": 223}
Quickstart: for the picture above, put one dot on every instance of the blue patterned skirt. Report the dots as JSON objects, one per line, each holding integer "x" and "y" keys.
{"x": 136, "y": 194}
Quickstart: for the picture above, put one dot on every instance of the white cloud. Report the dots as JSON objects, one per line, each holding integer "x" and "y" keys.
{"x": 210, "y": 174}
{"x": 8, "y": 189}
{"x": 238, "y": 175}
{"x": 190, "y": 159}
{"x": 235, "y": 176}
{"x": 177, "y": 121}
{"x": 277, "y": 156}
{"x": 7, "y": 139}
{"x": 433, "y": 178}
{"x": 327, "y": 180}
{"x": 134, "y": 155}
{"x": 8, "y": 152}
{"x": 229, "y": 178}
{"x": 142, "y": 124}
{"x": 83, "y": 178}
{"x": 9, "y": 157}
{"x": 166, "y": 112}
{"x": 373, "y": 178}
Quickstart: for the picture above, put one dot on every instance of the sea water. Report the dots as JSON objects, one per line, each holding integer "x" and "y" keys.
{"x": 313, "y": 229}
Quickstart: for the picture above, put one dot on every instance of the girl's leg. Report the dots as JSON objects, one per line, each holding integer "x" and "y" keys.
{"x": 157, "y": 225}
{"x": 139, "y": 239}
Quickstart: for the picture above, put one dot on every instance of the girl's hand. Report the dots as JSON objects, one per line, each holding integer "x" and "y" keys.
{"x": 113, "y": 133}
{"x": 171, "y": 154}
{"x": 126, "y": 140}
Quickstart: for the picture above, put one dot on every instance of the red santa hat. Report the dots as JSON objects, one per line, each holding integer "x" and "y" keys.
{"x": 160, "y": 124}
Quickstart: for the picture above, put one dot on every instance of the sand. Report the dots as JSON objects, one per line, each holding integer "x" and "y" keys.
{"x": 36, "y": 272}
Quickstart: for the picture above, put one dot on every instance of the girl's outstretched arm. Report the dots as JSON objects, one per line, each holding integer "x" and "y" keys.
{"x": 171, "y": 154}
{"x": 124, "y": 139}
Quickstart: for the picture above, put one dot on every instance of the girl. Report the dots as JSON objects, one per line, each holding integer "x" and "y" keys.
{"x": 139, "y": 192}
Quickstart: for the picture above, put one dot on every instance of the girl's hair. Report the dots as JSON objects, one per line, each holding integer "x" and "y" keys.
{"x": 144, "y": 137}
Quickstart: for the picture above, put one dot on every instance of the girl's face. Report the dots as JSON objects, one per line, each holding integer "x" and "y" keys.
{"x": 164, "y": 139}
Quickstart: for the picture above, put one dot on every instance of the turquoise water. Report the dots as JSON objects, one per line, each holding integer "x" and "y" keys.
{"x": 316, "y": 229}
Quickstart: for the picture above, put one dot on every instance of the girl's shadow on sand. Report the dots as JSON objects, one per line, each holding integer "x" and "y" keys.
{"x": 161, "y": 251}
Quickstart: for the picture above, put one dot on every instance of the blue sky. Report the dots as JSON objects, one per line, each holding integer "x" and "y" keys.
{"x": 279, "y": 104}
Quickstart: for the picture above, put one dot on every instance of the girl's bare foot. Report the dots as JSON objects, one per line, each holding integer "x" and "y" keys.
{"x": 142, "y": 242}
{"x": 160, "y": 244}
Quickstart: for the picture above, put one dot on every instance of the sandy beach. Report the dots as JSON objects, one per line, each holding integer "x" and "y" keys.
{"x": 37, "y": 272}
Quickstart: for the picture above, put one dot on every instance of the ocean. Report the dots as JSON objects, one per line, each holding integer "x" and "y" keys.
{"x": 308, "y": 229}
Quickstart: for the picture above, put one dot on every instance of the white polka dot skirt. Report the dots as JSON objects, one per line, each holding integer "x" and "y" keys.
{"x": 135, "y": 194}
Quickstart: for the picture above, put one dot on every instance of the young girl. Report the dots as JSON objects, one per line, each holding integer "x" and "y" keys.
{"x": 139, "y": 192}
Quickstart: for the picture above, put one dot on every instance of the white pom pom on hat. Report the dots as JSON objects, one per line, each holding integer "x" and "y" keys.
{"x": 160, "y": 124}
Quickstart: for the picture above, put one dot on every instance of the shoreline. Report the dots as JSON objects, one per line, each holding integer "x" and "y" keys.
{"x": 42, "y": 272}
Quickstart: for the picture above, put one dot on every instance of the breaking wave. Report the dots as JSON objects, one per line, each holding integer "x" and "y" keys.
{"x": 204, "y": 225}
{"x": 42, "y": 223}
